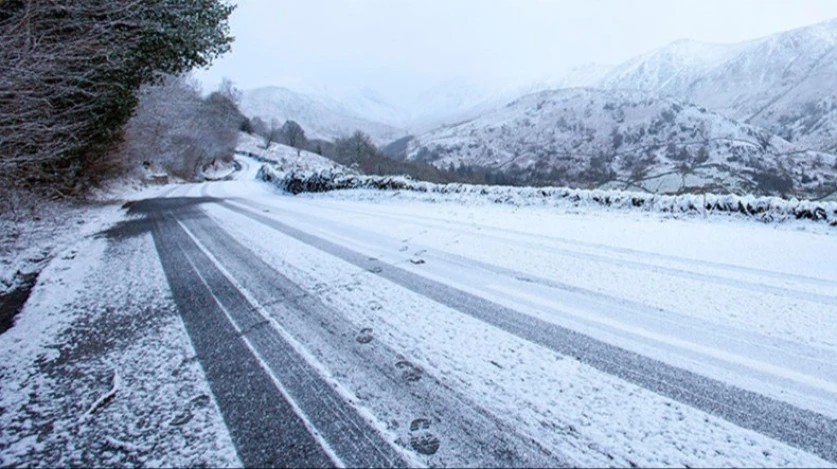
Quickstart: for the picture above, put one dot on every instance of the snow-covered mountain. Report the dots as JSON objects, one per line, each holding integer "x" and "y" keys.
{"x": 670, "y": 68}
{"x": 583, "y": 76}
{"x": 627, "y": 138}
{"x": 784, "y": 82}
{"x": 322, "y": 117}
{"x": 454, "y": 101}
{"x": 781, "y": 85}
{"x": 327, "y": 111}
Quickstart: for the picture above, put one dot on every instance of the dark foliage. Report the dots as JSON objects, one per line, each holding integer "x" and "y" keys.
{"x": 70, "y": 71}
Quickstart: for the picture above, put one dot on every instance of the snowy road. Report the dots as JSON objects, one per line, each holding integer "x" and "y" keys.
{"x": 372, "y": 330}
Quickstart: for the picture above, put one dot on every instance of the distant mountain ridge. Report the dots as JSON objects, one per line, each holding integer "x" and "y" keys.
{"x": 329, "y": 112}
{"x": 778, "y": 91}
{"x": 786, "y": 82}
{"x": 321, "y": 117}
{"x": 632, "y": 139}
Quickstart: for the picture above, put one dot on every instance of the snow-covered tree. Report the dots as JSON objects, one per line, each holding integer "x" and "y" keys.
{"x": 294, "y": 135}
{"x": 70, "y": 71}
{"x": 177, "y": 131}
{"x": 272, "y": 133}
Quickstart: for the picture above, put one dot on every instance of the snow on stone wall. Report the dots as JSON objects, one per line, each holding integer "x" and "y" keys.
{"x": 766, "y": 209}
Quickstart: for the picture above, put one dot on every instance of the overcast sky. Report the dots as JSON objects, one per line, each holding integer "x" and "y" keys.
{"x": 399, "y": 46}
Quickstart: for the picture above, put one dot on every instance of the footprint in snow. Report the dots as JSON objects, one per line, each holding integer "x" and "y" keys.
{"x": 185, "y": 416}
{"x": 421, "y": 439}
{"x": 365, "y": 335}
{"x": 182, "y": 418}
{"x": 409, "y": 372}
{"x": 201, "y": 401}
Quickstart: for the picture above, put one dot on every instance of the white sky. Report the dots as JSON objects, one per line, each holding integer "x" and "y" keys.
{"x": 397, "y": 47}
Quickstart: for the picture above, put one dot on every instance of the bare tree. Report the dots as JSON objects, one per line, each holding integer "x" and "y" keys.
{"x": 177, "y": 131}
{"x": 259, "y": 126}
{"x": 273, "y": 133}
{"x": 355, "y": 149}
{"x": 294, "y": 135}
{"x": 229, "y": 91}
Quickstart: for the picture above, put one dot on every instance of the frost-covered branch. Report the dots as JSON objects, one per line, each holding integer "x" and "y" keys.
{"x": 178, "y": 132}
{"x": 105, "y": 399}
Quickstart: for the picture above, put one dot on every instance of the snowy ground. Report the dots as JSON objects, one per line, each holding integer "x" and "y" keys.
{"x": 28, "y": 240}
{"x": 741, "y": 302}
{"x": 98, "y": 370}
{"x": 746, "y": 304}
{"x": 284, "y": 157}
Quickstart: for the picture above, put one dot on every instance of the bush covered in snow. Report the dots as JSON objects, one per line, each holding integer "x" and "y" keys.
{"x": 767, "y": 209}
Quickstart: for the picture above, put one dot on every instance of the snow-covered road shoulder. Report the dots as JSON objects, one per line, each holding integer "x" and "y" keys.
{"x": 98, "y": 370}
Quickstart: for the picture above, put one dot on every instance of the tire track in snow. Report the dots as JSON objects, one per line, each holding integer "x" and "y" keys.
{"x": 167, "y": 192}
{"x": 334, "y": 422}
{"x": 267, "y": 434}
{"x": 744, "y": 342}
{"x": 733, "y": 339}
{"x": 785, "y": 370}
{"x": 469, "y": 436}
{"x": 745, "y": 345}
{"x": 544, "y": 242}
{"x": 797, "y": 427}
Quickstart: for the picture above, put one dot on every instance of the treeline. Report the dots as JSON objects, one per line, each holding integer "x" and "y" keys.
{"x": 70, "y": 78}
{"x": 360, "y": 153}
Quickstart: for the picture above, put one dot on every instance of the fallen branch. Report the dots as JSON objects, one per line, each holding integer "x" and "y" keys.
{"x": 124, "y": 446}
{"x": 105, "y": 399}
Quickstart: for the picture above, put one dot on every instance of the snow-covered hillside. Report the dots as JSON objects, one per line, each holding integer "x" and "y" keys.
{"x": 328, "y": 111}
{"x": 321, "y": 117}
{"x": 284, "y": 157}
{"x": 455, "y": 101}
{"x": 668, "y": 69}
{"x": 627, "y": 138}
{"x": 784, "y": 82}
{"x": 760, "y": 105}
